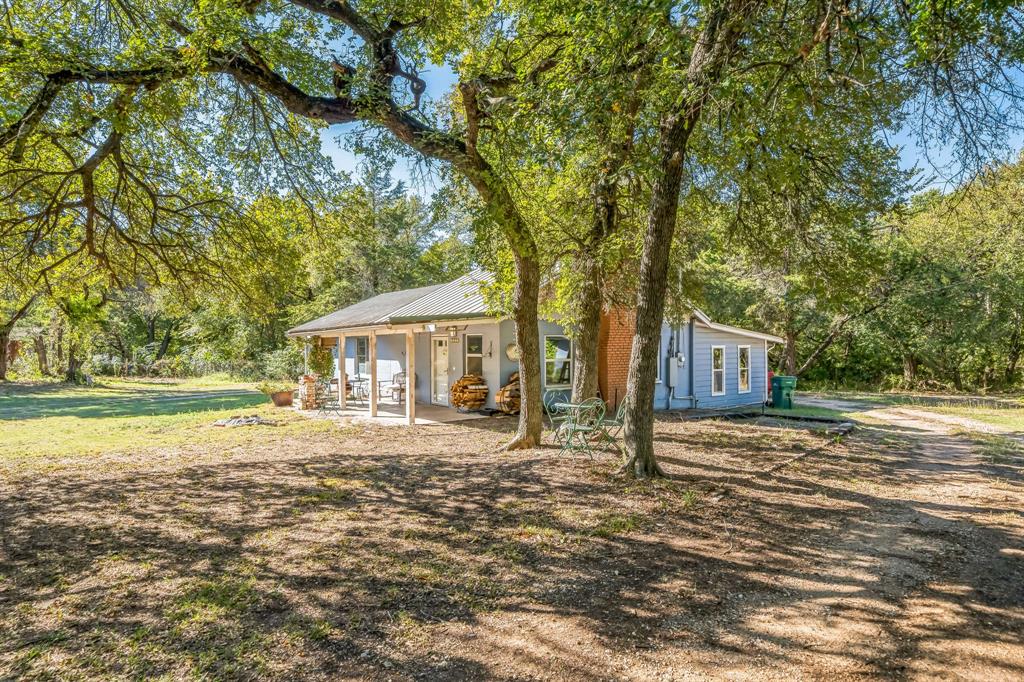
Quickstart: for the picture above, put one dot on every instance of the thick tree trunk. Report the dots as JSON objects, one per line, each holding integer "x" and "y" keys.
{"x": 711, "y": 52}
{"x": 528, "y": 339}
{"x": 639, "y": 418}
{"x": 588, "y": 315}
{"x": 41, "y": 356}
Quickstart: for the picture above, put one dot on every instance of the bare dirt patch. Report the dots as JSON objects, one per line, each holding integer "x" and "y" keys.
{"x": 423, "y": 553}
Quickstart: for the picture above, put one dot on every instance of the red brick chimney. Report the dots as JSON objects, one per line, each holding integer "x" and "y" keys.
{"x": 615, "y": 342}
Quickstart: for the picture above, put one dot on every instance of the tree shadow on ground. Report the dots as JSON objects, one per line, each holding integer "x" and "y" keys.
{"x": 430, "y": 556}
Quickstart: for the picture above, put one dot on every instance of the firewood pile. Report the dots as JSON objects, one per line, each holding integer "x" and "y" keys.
{"x": 508, "y": 397}
{"x": 469, "y": 392}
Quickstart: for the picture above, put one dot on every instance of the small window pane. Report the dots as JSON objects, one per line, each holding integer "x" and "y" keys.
{"x": 719, "y": 382}
{"x": 558, "y": 372}
{"x": 474, "y": 344}
{"x": 475, "y": 365}
{"x": 718, "y": 358}
{"x": 556, "y": 347}
{"x": 744, "y": 358}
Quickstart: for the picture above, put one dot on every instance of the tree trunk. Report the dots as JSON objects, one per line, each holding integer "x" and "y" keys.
{"x": 41, "y": 356}
{"x": 5, "y": 341}
{"x": 71, "y": 375}
{"x": 528, "y": 339}
{"x": 909, "y": 370}
{"x": 639, "y": 417}
{"x": 789, "y": 354}
{"x": 711, "y": 52}
{"x": 588, "y": 315}
{"x": 165, "y": 341}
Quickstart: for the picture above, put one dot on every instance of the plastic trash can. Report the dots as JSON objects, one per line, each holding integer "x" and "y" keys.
{"x": 782, "y": 392}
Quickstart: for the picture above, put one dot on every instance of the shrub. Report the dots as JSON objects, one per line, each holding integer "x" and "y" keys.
{"x": 284, "y": 363}
{"x": 321, "y": 360}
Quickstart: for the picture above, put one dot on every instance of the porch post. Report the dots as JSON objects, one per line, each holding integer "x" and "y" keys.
{"x": 373, "y": 373}
{"x": 342, "y": 379}
{"x": 410, "y": 377}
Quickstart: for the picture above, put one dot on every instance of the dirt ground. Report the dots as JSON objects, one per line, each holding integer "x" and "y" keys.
{"x": 774, "y": 552}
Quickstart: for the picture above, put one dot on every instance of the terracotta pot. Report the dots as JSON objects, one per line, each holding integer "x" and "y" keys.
{"x": 281, "y": 398}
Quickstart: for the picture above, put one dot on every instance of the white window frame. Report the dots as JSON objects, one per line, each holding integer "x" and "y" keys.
{"x": 713, "y": 370}
{"x": 739, "y": 369}
{"x": 467, "y": 355}
{"x": 545, "y": 361}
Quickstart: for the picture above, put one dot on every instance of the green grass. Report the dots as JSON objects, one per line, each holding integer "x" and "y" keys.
{"x": 56, "y": 420}
{"x": 1008, "y": 418}
{"x": 1002, "y": 412}
{"x": 807, "y": 411}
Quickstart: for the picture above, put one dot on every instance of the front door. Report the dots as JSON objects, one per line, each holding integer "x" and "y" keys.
{"x": 439, "y": 370}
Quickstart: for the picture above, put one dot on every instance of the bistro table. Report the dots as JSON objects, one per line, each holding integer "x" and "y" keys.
{"x": 578, "y": 424}
{"x": 357, "y": 385}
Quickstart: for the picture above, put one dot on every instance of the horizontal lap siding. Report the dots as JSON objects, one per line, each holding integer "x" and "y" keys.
{"x": 704, "y": 339}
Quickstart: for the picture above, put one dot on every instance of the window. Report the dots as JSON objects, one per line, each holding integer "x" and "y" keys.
{"x": 717, "y": 370}
{"x": 475, "y": 354}
{"x": 557, "y": 362}
{"x": 744, "y": 369}
{"x": 362, "y": 346}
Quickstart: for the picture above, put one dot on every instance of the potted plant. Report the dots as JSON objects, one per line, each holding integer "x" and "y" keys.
{"x": 279, "y": 392}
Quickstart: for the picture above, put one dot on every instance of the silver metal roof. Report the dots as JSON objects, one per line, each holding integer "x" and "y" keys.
{"x": 459, "y": 299}
{"x": 453, "y": 301}
{"x": 374, "y": 310}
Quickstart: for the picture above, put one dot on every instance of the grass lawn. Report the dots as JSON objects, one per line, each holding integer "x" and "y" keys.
{"x": 56, "y": 420}
{"x": 1003, "y": 412}
{"x": 139, "y": 542}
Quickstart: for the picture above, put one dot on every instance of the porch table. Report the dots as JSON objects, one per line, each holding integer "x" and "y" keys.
{"x": 578, "y": 424}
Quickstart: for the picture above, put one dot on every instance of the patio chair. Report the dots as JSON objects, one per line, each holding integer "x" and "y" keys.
{"x": 556, "y": 415}
{"x": 611, "y": 428}
{"x": 326, "y": 401}
{"x": 581, "y": 427}
{"x": 395, "y": 386}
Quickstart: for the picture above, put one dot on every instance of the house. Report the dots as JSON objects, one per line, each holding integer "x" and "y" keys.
{"x": 439, "y": 333}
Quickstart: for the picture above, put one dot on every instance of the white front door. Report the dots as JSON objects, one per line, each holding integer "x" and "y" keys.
{"x": 439, "y": 370}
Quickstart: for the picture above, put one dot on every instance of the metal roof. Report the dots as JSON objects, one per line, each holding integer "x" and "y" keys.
{"x": 374, "y": 310}
{"x": 456, "y": 300}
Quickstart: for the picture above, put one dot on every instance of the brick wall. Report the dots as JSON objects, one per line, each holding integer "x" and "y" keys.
{"x": 615, "y": 341}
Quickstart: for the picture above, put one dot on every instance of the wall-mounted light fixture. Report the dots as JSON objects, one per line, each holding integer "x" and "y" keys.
{"x": 490, "y": 348}
{"x": 430, "y": 328}
{"x": 453, "y": 332}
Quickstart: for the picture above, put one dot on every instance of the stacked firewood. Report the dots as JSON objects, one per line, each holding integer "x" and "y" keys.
{"x": 469, "y": 392}
{"x": 508, "y": 397}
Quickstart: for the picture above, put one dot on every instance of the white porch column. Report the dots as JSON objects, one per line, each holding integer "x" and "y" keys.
{"x": 373, "y": 373}
{"x": 342, "y": 379}
{"x": 410, "y": 377}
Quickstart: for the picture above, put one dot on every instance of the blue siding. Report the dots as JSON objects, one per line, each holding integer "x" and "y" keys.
{"x": 704, "y": 340}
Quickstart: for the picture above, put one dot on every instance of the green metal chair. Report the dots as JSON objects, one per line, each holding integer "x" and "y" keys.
{"x": 326, "y": 400}
{"x": 581, "y": 426}
{"x": 611, "y": 428}
{"x": 556, "y": 415}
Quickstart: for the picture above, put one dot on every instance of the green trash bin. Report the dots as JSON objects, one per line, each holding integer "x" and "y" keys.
{"x": 782, "y": 392}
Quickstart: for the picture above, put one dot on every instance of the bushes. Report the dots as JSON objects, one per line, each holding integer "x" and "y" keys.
{"x": 283, "y": 364}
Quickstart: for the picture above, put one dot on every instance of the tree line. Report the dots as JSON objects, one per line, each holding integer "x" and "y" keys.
{"x": 604, "y": 144}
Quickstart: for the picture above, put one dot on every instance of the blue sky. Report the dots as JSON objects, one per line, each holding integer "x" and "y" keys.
{"x": 440, "y": 79}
